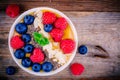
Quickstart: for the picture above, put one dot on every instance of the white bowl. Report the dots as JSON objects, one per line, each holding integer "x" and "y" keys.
{"x": 42, "y": 73}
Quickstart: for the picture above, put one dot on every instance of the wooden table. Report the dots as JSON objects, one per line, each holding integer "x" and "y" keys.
{"x": 96, "y": 22}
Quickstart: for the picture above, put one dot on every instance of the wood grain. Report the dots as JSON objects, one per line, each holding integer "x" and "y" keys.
{"x": 66, "y": 5}
{"x": 93, "y": 28}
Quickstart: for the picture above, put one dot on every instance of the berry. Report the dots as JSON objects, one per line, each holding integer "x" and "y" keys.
{"x": 61, "y": 23}
{"x": 21, "y": 28}
{"x": 26, "y": 62}
{"x": 48, "y": 27}
{"x": 26, "y": 38}
{"x": 29, "y": 19}
{"x": 48, "y": 17}
{"x": 10, "y": 70}
{"x": 12, "y": 10}
{"x": 47, "y": 66}
{"x": 36, "y": 67}
{"x": 82, "y": 49}
{"x": 67, "y": 45}
{"x": 19, "y": 53}
{"x": 76, "y": 68}
{"x": 56, "y": 34}
{"x": 16, "y": 42}
{"x": 37, "y": 56}
{"x": 28, "y": 48}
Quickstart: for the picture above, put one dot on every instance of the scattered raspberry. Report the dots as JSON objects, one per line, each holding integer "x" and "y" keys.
{"x": 76, "y": 68}
{"x": 61, "y": 23}
{"x": 16, "y": 42}
{"x": 48, "y": 17}
{"x": 12, "y": 10}
{"x": 56, "y": 34}
{"x": 37, "y": 55}
{"x": 67, "y": 45}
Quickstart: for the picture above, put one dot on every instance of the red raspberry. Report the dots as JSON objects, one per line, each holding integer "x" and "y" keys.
{"x": 48, "y": 17}
{"x": 61, "y": 23}
{"x": 76, "y": 68}
{"x": 12, "y": 10}
{"x": 16, "y": 42}
{"x": 67, "y": 45}
{"x": 56, "y": 34}
{"x": 37, "y": 55}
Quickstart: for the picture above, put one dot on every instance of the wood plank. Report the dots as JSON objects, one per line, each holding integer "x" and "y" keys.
{"x": 66, "y": 5}
{"x": 93, "y": 28}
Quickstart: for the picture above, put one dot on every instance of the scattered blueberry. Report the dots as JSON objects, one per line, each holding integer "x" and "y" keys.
{"x": 26, "y": 62}
{"x": 21, "y": 28}
{"x": 48, "y": 27}
{"x": 28, "y": 48}
{"x": 19, "y": 54}
{"x": 36, "y": 67}
{"x": 26, "y": 38}
{"x": 28, "y": 19}
{"x": 10, "y": 70}
{"x": 82, "y": 49}
{"x": 47, "y": 66}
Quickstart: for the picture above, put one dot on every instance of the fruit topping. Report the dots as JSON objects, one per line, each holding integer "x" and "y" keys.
{"x": 26, "y": 38}
{"x": 48, "y": 27}
{"x": 21, "y": 28}
{"x": 37, "y": 56}
{"x": 36, "y": 67}
{"x": 19, "y": 54}
{"x": 16, "y": 42}
{"x": 61, "y": 23}
{"x": 56, "y": 34}
{"x": 47, "y": 66}
{"x": 67, "y": 45}
{"x": 28, "y": 48}
{"x": 48, "y": 18}
{"x": 26, "y": 62}
{"x": 29, "y": 19}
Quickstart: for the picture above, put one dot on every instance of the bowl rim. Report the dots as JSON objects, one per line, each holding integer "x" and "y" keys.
{"x": 42, "y": 73}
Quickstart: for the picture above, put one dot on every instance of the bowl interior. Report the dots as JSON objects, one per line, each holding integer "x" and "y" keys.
{"x": 19, "y": 62}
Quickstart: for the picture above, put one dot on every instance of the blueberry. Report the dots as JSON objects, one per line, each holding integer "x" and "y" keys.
{"x": 21, "y": 28}
{"x": 47, "y": 66}
{"x": 26, "y": 62}
{"x": 26, "y": 38}
{"x": 19, "y": 53}
{"x": 28, "y": 19}
{"x": 10, "y": 70}
{"x": 28, "y": 48}
{"x": 48, "y": 27}
{"x": 82, "y": 49}
{"x": 36, "y": 67}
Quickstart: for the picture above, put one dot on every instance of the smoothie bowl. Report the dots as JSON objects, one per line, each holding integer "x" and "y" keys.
{"x": 43, "y": 41}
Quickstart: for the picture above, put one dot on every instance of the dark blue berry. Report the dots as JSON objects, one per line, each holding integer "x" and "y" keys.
{"x": 28, "y": 19}
{"x": 21, "y": 28}
{"x": 19, "y": 54}
{"x": 36, "y": 67}
{"x": 26, "y": 38}
{"x": 82, "y": 49}
{"x": 28, "y": 48}
{"x": 10, "y": 70}
{"x": 47, "y": 66}
{"x": 48, "y": 27}
{"x": 26, "y": 62}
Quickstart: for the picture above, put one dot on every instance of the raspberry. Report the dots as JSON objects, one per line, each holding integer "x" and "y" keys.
{"x": 61, "y": 23}
{"x": 12, "y": 10}
{"x": 76, "y": 68}
{"x": 37, "y": 56}
{"x": 16, "y": 42}
{"x": 67, "y": 45}
{"x": 56, "y": 34}
{"x": 48, "y": 17}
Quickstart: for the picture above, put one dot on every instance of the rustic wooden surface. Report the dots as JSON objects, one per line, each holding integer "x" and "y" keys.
{"x": 93, "y": 28}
